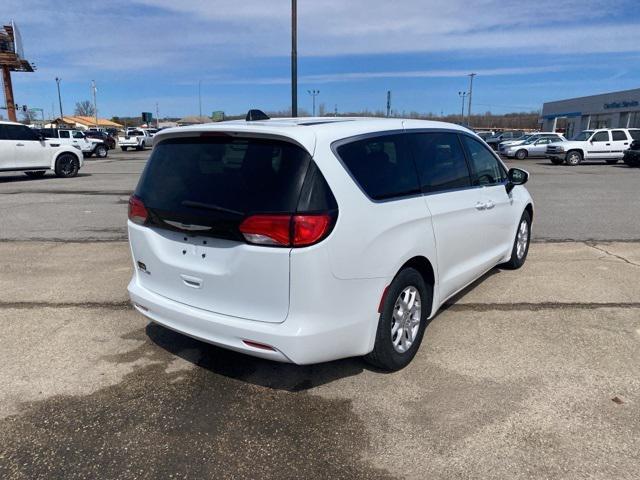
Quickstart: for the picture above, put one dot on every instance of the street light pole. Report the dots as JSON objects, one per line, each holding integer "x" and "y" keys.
{"x": 471, "y": 75}
{"x": 200, "y": 98}
{"x": 314, "y": 94}
{"x": 58, "y": 80}
{"x": 95, "y": 103}
{"x": 294, "y": 58}
{"x": 463, "y": 96}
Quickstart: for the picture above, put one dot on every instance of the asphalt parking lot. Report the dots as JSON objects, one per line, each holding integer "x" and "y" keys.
{"x": 527, "y": 374}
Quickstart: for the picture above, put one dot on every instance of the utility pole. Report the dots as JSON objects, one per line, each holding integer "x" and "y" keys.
{"x": 463, "y": 96}
{"x": 388, "y": 103}
{"x": 94, "y": 89}
{"x": 8, "y": 94}
{"x": 314, "y": 94}
{"x": 294, "y": 58}
{"x": 335, "y": 110}
{"x": 200, "y": 98}
{"x": 157, "y": 116}
{"x": 471, "y": 75}
{"x": 58, "y": 80}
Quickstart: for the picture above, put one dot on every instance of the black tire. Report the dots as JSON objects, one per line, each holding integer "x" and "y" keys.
{"x": 67, "y": 165}
{"x": 521, "y": 154}
{"x": 101, "y": 151}
{"x": 124, "y": 149}
{"x": 35, "y": 174}
{"x": 519, "y": 257}
{"x": 556, "y": 161}
{"x": 384, "y": 354}
{"x": 140, "y": 147}
{"x": 573, "y": 158}
{"x": 612, "y": 161}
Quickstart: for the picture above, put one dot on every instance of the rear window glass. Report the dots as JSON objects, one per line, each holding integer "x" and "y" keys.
{"x": 213, "y": 176}
{"x": 382, "y": 166}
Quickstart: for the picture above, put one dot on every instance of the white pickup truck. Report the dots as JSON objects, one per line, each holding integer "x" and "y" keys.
{"x": 135, "y": 138}
{"x": 603, "y": 144}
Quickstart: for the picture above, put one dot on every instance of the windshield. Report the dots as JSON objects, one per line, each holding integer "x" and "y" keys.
{"x": 193, "y": 176}
{"x": 583, "y": 136}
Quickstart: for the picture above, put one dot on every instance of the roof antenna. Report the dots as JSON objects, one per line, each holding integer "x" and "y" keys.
{"x": 254, "y": 115}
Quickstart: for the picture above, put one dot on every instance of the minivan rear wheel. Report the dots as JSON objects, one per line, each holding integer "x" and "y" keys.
{"x": 401, "y": 325}
{"x": 520, "y": 247}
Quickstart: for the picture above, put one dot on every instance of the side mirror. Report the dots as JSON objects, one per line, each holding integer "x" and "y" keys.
{"x": 41, "y": 137}
{"x": 516, "y": 176}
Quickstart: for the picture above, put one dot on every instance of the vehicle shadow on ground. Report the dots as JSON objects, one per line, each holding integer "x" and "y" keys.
{"x": 267, "y": 373}
{"x": 20, "y": 178}
{"x": 256, "y": 371}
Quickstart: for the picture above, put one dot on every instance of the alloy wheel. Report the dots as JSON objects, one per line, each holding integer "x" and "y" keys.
{"x": 405, "y": 323}
{"x": 522, "y": 239}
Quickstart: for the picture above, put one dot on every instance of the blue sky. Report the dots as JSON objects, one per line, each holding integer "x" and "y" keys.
{"x": 141, "y": 52}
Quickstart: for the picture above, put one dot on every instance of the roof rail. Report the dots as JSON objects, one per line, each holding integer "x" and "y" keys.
{"x": 253, "y": 115}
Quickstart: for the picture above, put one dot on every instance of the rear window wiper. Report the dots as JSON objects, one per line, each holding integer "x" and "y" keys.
{"x": 210, "y": 206}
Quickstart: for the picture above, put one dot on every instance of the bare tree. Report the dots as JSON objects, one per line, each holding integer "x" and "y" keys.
{"x": 84, "y": 109}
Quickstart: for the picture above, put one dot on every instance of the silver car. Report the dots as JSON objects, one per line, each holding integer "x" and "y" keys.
{"x": 535, "y": 146}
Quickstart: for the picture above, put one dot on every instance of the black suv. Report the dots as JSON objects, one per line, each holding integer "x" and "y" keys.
{"x": 104, "y": 136}
{"x": 632, "y": 155}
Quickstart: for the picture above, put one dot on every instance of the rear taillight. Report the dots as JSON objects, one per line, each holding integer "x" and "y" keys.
{"x": 286, "y": 230}
{"x": 137, "y": 211}
{"x": 267, "y": 229}
{"x": 309, "y": 229}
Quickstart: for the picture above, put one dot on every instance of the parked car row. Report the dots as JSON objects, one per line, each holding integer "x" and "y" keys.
{"x": 610, "y": 145}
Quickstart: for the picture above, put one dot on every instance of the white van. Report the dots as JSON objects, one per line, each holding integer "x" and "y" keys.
{"x": 312, "y": 239}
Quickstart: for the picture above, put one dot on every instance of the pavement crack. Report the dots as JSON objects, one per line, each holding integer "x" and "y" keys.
{"x": 121, "y": 305}
{"x": 608, "y": 253}
{"x": 525, "y": 306}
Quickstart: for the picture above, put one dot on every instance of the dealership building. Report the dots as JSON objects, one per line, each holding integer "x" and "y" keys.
{"x": 607, "y": 110}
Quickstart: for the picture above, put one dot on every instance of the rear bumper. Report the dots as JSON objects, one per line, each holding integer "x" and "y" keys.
{"x": 302, "y": 339}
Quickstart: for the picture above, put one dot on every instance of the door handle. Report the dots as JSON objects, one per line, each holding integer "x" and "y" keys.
{"x": 608, "y": 144}
{"x": 481, "y": 206}
{"x": 490, "y": 204}
{"x": 19, "y": 144}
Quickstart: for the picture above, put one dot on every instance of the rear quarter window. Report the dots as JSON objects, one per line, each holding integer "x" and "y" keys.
{"x": 382, "y": 166}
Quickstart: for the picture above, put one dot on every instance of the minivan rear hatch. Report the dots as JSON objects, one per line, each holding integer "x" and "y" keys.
{"x": 197, "y": 190}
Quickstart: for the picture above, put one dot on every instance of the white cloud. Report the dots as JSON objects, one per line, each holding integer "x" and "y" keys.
{"x": 355, "y": 76}
{"x": 217, "y": 35}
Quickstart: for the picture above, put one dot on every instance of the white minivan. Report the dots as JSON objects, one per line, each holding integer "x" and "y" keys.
{"x": 313, "y": 239}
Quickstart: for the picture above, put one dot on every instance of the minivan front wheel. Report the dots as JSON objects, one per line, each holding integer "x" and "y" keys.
{"x": 402, "y": 322}
{"x": 520, "y": 247}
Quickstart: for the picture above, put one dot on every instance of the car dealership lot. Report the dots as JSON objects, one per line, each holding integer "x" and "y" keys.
{"x": 516, "y": 379}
